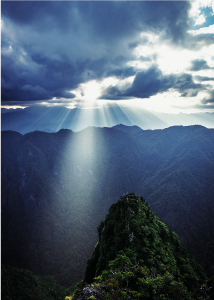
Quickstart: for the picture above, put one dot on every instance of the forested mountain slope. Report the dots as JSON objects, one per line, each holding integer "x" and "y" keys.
{"x": 139, "y": 257}
{"x": 57, "y": 187}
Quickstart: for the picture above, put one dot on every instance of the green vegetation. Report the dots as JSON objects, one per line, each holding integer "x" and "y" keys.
{"x": 22, "y": 284}
{"x": 139, "y": 257}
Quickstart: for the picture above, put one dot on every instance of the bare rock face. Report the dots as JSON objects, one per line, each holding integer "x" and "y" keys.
{"x": 91, "y": 291}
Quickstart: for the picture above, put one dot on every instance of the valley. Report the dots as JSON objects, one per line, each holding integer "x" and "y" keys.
{"x": 57, "y": 187}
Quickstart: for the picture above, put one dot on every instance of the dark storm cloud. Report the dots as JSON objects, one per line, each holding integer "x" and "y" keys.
{"x": 102, "y": 21}
{"x": 186, "y": 86}
{"x": 147, "y": 83}
{"x": 204, "y": 78}
{"x": 209, "y": 99}
{"x": 41, "y": 15}
{"x": 106, "y": 19}
{"x": 152, "y": 81}
{"x": 197, "y": 42}
{"x": 48, "y": 48}
{"x": 199, "y": 64}
{"x": 122, "y": 72}
{"x": 36, "y": 81}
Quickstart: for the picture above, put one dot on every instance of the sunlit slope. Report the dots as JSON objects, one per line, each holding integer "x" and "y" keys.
{"x": 57, "y": 187}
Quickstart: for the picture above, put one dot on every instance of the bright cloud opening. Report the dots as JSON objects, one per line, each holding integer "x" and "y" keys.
{"x": 174, "y": 60}
{"x": 200, "y": 20}
{"x": 92, "y": 90}
{"x": 88, "y": 91}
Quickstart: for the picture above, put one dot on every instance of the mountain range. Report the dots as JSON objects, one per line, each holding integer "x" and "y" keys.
{"x": 54, "y": 118}
{"x": 57, "y": 187}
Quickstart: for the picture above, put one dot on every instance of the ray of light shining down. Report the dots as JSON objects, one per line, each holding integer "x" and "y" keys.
{"x": 120, "y": 115}
{"x": 104, "y": 117}
{"x": 80, "y": 170}
{"x": 85, "y": 159}
{"x": 81, "y": 162}
{"x": 146, "y": 119}
{"x": 43, "y": 114}
{"x": 86, "y": 116}
{"x": 112, "y": 114}
{"x": 63, "y": 119}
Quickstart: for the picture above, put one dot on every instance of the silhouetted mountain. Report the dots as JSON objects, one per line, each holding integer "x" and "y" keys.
{"x": 139, "y": 257}
{"x": 57, "y": 187}
{"x": 131, "y": 129}
{"x": 52, "y": 119}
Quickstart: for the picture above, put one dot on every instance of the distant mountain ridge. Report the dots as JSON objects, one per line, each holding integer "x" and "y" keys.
{"x": 57, "y": 187}
{"x": 52, "y": 119}
{"x": 131, "y": 129}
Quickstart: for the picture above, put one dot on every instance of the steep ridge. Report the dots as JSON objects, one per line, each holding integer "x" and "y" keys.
{"x": 57, "y": 187}
{"x": 139, "y": 257}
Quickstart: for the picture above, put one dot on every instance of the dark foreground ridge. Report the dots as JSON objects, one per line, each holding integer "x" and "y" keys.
{"x": 23, "y": 284}
{"x": 139, "y": 257}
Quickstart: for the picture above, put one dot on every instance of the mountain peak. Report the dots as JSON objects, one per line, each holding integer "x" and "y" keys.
{"x": 130, "y": 129}
{"x": 136, "y": 247}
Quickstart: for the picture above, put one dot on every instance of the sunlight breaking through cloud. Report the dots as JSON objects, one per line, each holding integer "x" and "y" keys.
{"x": 88, "y": 91}
{"x": 154, "y": 55}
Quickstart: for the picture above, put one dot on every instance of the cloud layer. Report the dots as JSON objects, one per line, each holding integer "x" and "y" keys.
{"x": 152, "y": 81}
{"x": 50, "y": 48}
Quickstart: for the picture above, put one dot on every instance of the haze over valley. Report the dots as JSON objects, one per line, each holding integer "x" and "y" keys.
{"x": 56, "y": 188}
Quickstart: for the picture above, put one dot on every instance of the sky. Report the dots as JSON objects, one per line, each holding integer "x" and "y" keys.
{"x": 147, "y": 55}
